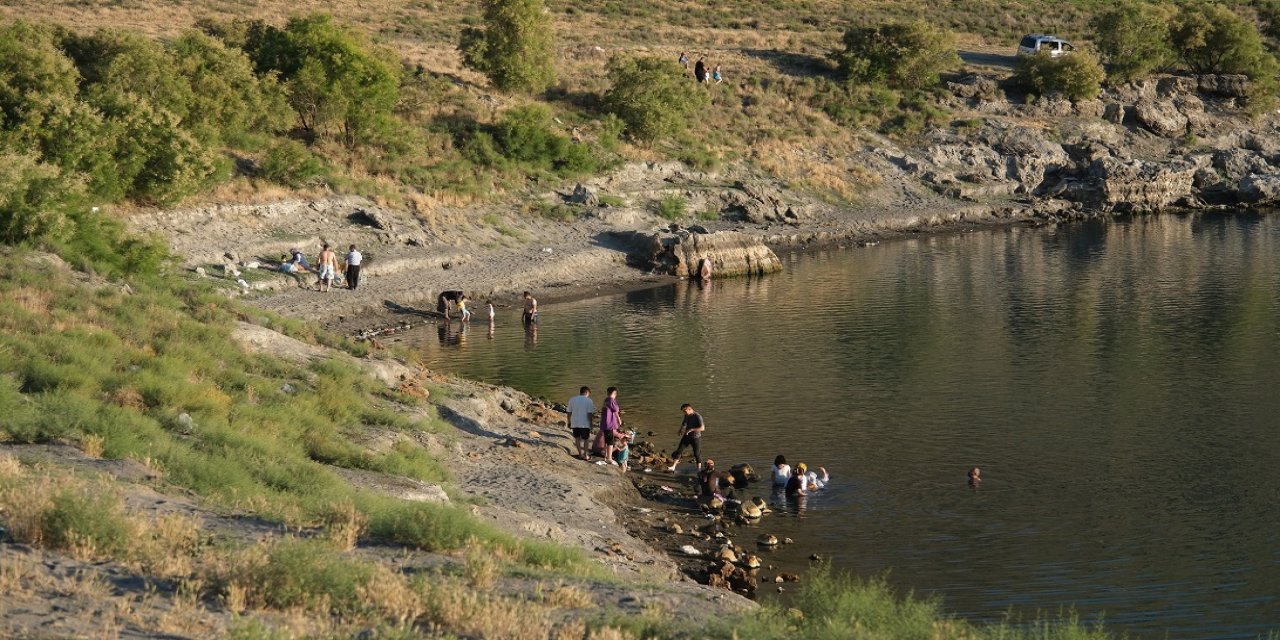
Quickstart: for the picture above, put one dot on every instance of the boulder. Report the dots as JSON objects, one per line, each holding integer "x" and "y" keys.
{"x": 1161, "y": 117}
{"x": 1237, "y": 164}
{"x": 759, "y": 202}
{"x": 583, "y": 195}
{"x": 1224, "y": 85}
{"x": 371, "y": 217}
{"x": 1259, "y": 189}
{"x": 975, "y": 87}
{"x": 1114, "y": 112}
{"x": 1171, "y": 86}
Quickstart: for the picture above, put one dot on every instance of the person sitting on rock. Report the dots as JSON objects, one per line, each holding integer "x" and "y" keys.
{"x": 714, "y": 483}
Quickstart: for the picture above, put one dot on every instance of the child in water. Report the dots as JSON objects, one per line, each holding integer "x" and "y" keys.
{"x": 975, "y": 477}
{"x": 462, "y": 307}
{"x": 781, "y": 471}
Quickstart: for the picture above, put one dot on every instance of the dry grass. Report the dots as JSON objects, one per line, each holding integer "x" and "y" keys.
{"x": 344, "y": 525}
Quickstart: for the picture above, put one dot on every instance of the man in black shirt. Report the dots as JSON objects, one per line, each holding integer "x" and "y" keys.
{"x": 691, "y": 428}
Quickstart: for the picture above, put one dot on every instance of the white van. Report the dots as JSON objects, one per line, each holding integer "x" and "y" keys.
{"x": 1037, "y": 42}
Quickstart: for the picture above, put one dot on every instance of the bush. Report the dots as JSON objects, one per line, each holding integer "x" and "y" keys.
{"x": 652, "y": 96}
{"x": 908, "y": 55}
{"x": 35, "y": 198}
{"x": 1077, "y": 76}
{"x": 88, "y": 520}
{"x": 1134, "y": 39}
{"x": 292, "y": 164}
{"x": 672, "y": 207}
{"x": 516, "y": 47}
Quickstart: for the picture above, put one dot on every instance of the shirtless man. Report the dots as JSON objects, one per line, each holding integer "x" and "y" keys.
{"x": 328, "y": 266}
{"x": 530, "y": 316}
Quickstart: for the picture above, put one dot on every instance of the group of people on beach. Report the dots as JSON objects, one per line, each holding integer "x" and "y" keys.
{"x": 326, "y": 268}
{"x": 702, "y": 73}
{"x": 612, "y": 444}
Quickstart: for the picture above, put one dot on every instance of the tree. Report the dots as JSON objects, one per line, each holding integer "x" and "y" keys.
{"x": 652, "y": 96}
{"x": 1078, "y": 76}
{"x": 1213, "y": 39}
{"x": 899, "y": 55}
{"x": 332, "y": 76}
{"x": 516, "y": 47}
{"x": 1133, "y": 38}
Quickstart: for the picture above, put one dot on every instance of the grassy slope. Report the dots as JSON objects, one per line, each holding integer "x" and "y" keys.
{"x": 113, "y": 370}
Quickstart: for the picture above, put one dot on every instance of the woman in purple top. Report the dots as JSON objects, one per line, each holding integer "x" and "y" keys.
{"x": 610, "y": 422}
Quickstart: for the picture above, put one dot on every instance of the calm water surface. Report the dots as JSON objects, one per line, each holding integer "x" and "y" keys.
{"x": 1117, "y": 383}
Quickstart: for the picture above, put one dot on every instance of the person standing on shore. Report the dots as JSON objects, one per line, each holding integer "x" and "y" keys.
{"x": 530, "y": 316}
{"x": 328, "y": 263}
{"x": 353, "y": 268}
{"x": 610, "y": 422}
{"x": 581, "y": 412}
{"x": 691, "y": 428}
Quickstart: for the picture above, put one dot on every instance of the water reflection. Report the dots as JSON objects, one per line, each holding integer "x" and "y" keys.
{"x": 1114, "y": 382}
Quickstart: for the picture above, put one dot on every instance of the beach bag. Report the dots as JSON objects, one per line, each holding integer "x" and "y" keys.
{"x": 597, "y": 447}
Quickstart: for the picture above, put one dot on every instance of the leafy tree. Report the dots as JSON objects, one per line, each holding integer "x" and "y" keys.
{"x": 228, "y": 101}
{"x": 1077, "y": 76}
{"x": 332, "y": 76}
{"x": 516, "y": 47}
{"x": 34, "y": 198}
{"x": 1210, "y": 38}
{"x": 907, "y": 55}
{"x": 1133, "y": 38}
{"x": 652, "y": 96}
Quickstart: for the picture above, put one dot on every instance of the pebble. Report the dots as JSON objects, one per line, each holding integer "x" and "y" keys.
{"x": 690, "y": 551}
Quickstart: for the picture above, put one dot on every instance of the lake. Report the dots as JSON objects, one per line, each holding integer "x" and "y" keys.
{"x": 1116, "y": 382}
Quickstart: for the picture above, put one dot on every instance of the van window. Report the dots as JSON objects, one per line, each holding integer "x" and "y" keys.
{"x": 1029, "y": 42}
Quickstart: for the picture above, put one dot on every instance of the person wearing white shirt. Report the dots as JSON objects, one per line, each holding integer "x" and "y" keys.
{"x": 581, "y": 412}
{"x": 353, "y": 268}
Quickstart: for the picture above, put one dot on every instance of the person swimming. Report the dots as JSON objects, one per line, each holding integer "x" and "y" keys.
{"x": 781, "y": 471}
{"x": 975, "y": 477}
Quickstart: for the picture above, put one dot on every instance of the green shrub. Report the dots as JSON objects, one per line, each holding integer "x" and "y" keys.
{"x": 1077, "y": 76}
{"x": 672, "y": 207}
{"x": 1133, "y": 38}
{"x": 228, "y": 101}
{"x": 908, "y": 55}
{"x": 309, "y": 573}
{"x": 292, "y": 164}
{"x": 516, "y": 47}
{"x": 652, "y": 96}
{"x": 90, "y": 518}
{"x": 35, "y": 198}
